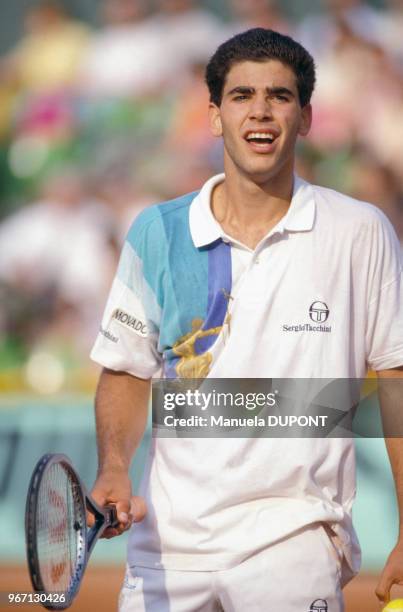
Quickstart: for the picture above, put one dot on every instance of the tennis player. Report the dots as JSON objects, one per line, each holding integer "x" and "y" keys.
{"x": 258, "y": 275}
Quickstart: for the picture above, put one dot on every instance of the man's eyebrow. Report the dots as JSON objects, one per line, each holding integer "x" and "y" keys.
{"x": 279, "y": 91}
{"x": 243, "y": 89}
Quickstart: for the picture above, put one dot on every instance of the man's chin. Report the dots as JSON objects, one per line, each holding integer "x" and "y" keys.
{"x": 261, "y": 174}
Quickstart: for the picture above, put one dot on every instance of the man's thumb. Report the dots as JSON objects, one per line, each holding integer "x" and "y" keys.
{"x": 122, "y": 510}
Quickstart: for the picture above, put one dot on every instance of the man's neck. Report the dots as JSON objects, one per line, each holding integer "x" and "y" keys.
{"x": 246, "y": 210}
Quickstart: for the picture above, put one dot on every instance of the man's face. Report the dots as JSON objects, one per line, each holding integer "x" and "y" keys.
{"x": 259, "y": 118}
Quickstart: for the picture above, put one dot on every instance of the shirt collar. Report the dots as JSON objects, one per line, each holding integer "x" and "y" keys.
{"x": 205, "y": 229}
{"x": 301, "y": 214}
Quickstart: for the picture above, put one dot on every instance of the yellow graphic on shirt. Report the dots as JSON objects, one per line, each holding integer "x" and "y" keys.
{"x": 191, "y": 365}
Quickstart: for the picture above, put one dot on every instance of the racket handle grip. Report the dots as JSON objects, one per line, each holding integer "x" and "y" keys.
{"x": 111, "y": 516}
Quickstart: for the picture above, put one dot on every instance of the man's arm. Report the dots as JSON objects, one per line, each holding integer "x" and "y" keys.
{"x": 391, "y": 402}
{"x": 121, "y": 409}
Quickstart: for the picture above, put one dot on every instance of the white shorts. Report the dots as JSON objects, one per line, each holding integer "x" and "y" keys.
{"x": 301, "y": 573}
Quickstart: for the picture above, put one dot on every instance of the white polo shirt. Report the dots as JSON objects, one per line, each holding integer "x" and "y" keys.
{"x": 319, "y": 297}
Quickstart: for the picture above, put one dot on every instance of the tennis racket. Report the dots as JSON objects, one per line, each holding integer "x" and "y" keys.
{"x": 58, "y": 541}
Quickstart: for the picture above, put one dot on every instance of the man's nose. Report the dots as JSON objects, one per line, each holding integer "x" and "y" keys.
{"x": 260, "y": 108}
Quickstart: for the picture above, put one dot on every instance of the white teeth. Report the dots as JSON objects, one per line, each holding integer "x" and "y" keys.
{"x": 265, "y": 136}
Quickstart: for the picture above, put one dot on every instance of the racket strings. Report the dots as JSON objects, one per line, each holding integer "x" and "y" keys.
{"x": 60, "y": 523}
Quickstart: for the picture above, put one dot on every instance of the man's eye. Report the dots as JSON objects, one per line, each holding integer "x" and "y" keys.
{"x": 241, "y": 97}
{"x": 281, "y": 98}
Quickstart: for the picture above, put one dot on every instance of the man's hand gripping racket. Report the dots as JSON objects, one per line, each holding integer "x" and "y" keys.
{"x": 62, "y": 525}
{"x": 114, "y": 487}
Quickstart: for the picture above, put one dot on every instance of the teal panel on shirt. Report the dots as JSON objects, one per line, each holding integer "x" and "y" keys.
{"x": 175, "y": 270}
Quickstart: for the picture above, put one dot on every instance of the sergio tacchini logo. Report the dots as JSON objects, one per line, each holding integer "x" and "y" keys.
{"x": 318, "y": 312}
{"x": 319, "y": 605}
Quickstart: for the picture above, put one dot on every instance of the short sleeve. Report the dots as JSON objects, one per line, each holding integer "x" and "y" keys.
{"x": 384, "y": 332}
{"x": 128, "y": 337}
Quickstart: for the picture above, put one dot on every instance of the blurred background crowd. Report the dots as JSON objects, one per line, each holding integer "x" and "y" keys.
{"x": 102, "y": 116}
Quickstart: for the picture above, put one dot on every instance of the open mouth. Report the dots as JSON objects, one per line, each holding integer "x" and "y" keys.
{"x": 260, "y": 138}
{"x": 262, "y": 141}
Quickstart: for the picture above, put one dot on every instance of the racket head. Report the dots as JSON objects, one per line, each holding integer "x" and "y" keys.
{"x": 55, "y": 529}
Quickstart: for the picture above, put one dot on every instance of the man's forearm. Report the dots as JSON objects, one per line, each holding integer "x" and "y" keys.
{"x": 391, "y": 400}
{"x": 395, "y": 451}
{"x": 121, "y": 408}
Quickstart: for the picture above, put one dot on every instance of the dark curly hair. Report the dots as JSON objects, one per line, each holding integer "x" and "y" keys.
{"x": 259, "y": 45}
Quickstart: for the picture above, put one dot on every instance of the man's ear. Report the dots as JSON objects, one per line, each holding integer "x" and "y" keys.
{"x": 306, "y": 120}
{"x": 215, "y": 119}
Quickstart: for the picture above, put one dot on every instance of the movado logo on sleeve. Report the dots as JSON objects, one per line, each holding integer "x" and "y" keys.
{"x": 318, "y": 313}
{"x": 132, "y": 323}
